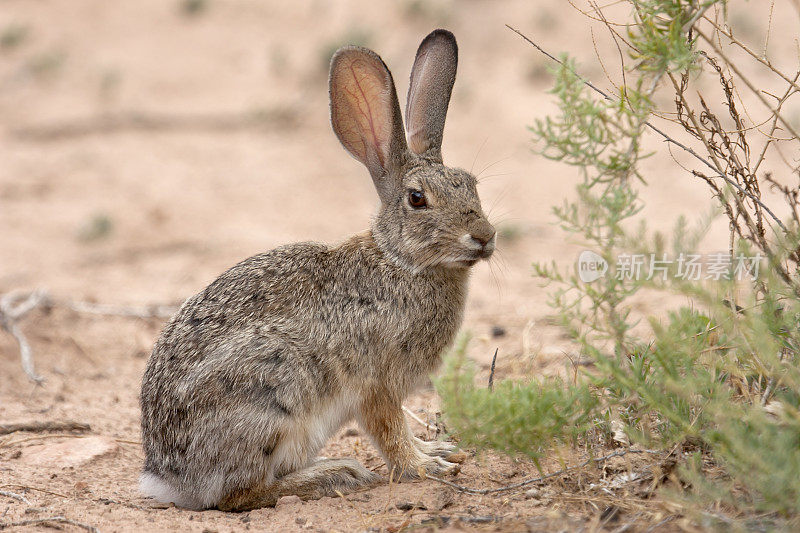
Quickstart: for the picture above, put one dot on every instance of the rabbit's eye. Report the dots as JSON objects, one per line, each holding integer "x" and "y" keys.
{"x": 416, "y": 199}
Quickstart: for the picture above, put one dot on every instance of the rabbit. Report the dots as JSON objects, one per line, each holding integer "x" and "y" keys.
{"x": 250, "y": 378}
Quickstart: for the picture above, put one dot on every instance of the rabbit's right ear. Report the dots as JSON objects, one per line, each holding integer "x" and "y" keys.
{"x": 432, "y": 79}
{"x": 365, "y": 113}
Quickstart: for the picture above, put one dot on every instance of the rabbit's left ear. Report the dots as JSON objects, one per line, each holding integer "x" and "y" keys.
{"x": 365, "y": 114}
{"x": 432, "y": 81}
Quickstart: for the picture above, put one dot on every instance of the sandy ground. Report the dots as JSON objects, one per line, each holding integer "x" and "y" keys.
{"x": 147, "y": 147}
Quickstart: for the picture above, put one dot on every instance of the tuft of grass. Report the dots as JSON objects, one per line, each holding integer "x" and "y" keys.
{"x": 46, "y": 64}
{"x": 193, "y": 8}
{"x": 13, "y": 35}
{"x": 98, "y": 227}
{"x": 517, "y": 418}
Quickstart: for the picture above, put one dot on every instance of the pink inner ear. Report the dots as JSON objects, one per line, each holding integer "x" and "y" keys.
{"x": 362, "y": 109}
{"x": 415, "y": 124}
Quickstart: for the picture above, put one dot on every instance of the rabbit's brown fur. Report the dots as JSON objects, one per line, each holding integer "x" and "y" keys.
{"x": 251, "y": 377}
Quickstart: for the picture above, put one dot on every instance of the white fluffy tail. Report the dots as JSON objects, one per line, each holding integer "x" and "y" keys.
{"x": 155, "y": 487}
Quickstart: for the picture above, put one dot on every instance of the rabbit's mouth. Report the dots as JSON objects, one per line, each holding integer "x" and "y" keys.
{"x": 472, "y": 261}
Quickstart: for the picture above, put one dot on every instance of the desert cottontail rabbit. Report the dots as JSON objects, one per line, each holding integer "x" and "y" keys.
{"x": 253, "y": 374}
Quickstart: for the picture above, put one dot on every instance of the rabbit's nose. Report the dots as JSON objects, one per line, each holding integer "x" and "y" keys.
{"x": 483, "y": 235}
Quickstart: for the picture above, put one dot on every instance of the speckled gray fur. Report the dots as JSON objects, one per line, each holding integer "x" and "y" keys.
{"x": 255, "y": 372}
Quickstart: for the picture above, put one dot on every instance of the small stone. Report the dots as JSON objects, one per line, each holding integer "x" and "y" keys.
{"x": 288, "y": 500}
{"x": 300, "y": 520}
{"x": 533, "y": 493}
{"x": 70, "y": 453}
{"x": 498, "y": 331}
{"x": 407, "y": 506}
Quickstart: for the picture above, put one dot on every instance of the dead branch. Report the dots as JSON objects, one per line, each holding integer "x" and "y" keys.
{"x": 718, "y": 155}
{"x": 13, "y": 306}
{"x": 36, "y": 489}
{"x": 771, "y": 135}
{"x": 790, "y": 194}
{"x": 753, "y": 89}
{"x": 417, "y": 419}
{"x": 667, "y": 138}
{"x": 595, "y": 460}
{"x": 491, "y": 372}
{"x": 144, "y": 311}
{"x": 9, "y": 443}
{"x": 49, "y": 520}
{"x": 744, "y": 47}
{"x": 16, "y": 304}
{"x": 37, "y": 427}
{"x": 15, "y": 496}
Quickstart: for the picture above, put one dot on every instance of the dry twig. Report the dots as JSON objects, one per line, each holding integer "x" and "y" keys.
{"x": 596, "y": 460}
{"x": 49, "y": 520}
{"x": 491, "y": 372}
{"x": 666, "y": 137}
{"x": 14, "y": 495}
{"x": 36, "y": 489}
{"x": 52, "y": 425}
{"x": 15, "y": 305}
{"x": 131, "y": 311}
{"x": 418, "y": 420}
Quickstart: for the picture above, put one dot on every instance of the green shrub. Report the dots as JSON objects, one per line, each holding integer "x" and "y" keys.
{"x": 719, "y": 377}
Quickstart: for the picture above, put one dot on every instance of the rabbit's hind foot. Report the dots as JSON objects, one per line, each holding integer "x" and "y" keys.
{"x": 436, "y": 448}
{"x": 326, "y": 477}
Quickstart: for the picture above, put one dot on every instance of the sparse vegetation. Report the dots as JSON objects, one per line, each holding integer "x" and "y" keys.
{"x": 715, "y": 384}
{"x": 193, "y": 8}
{"x": 98, "y": 227}
{"x": 46, "y": 64}
{"x": 12, "y": 36}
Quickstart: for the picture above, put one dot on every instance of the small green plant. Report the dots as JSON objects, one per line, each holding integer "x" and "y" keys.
{"x": 515, "y": 418}
{"x": 12, "y": 36}
{"x": 98, "y": 227}
{"x": 46, "y": 64}
{"x": 719, "y": 378}
{"x": 193, "y": 8}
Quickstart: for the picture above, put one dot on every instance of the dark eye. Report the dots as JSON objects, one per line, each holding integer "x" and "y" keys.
{"x": 417, "y": 199}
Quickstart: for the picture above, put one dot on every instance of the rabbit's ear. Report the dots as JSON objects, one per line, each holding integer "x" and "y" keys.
{"x": 365, "y": 113}
{"x": 432, "y": 81}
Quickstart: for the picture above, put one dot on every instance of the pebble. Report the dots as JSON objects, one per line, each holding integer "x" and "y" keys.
{"x": 288, "y": 500}
{"x": 70, "y": 453}
{"x": 498, "y": 331}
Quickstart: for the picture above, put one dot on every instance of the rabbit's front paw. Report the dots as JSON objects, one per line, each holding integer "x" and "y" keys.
{"x": 426, "y": 465}
{"x": 445, "y": 450}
